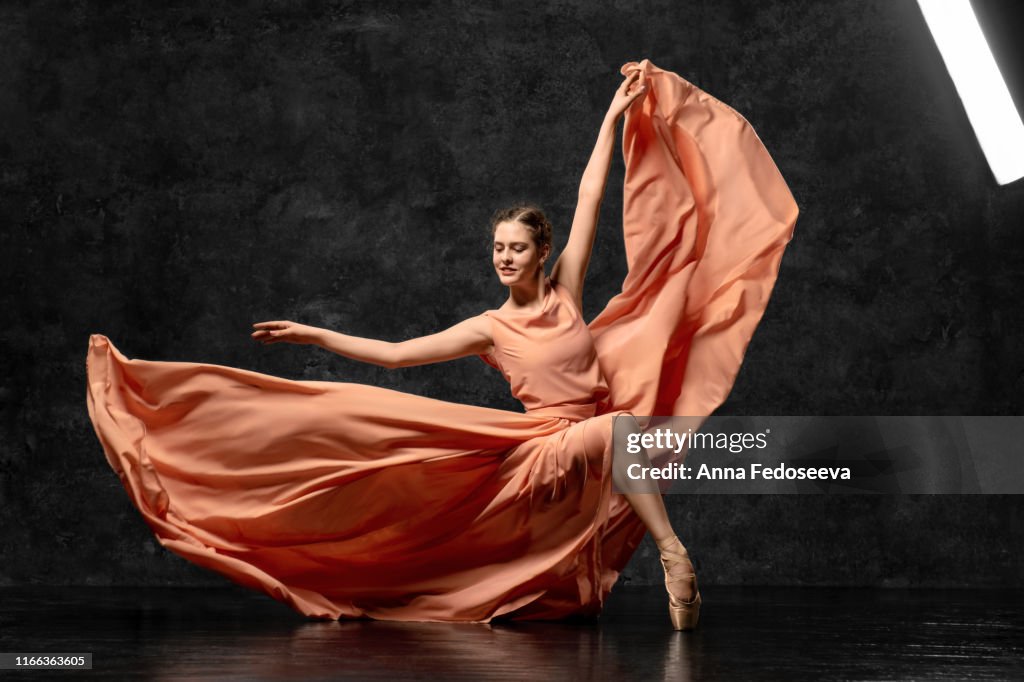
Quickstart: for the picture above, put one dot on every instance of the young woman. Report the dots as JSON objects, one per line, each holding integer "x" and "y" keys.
{"x": 347, "y": 500}
{"x": 522, "y": 245}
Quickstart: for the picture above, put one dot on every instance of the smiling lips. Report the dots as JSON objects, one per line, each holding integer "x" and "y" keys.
{"x": 507, "y": 271}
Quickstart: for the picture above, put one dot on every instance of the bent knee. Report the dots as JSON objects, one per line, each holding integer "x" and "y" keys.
{"x": 601, "y": 431}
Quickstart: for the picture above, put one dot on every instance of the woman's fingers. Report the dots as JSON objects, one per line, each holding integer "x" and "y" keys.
{"x": 629, "y": 81}
{"x": 268, "y": 332}
{"x": 267, "y": 337}
{"x": 639, "y": 89}
{"x": 624, "y": 98}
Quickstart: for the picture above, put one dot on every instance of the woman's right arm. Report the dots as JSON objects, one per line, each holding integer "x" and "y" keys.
{"x": 469, "y": 337}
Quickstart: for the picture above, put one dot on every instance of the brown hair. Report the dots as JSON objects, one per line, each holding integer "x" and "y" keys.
{"x": 530, "y": 216}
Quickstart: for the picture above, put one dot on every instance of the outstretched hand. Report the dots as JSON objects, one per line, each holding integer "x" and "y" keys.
{"x": 283, "y": 330}
{"x": 628, "y": 92}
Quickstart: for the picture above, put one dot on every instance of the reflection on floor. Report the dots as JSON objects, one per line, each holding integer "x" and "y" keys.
{"x": 745, "y": 633}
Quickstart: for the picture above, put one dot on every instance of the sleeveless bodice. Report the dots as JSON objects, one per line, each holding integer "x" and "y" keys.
{"x": 548, "y": 357}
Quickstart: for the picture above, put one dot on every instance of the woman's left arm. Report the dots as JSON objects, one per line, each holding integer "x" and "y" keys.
{"x": 571, "y": 268}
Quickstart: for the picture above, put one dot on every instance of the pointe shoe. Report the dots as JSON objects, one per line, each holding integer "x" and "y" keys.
{"x": 684, "y": 614}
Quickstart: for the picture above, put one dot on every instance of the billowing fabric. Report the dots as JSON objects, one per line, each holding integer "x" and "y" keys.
{"x": 347, "y": 500}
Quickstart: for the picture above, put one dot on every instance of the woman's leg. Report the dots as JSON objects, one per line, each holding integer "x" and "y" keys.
{"x": 646, "y": 500}
{"x": 651, "y": 510}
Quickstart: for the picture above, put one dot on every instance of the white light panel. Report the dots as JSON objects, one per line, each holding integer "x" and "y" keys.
{"x": 980, "y": 85}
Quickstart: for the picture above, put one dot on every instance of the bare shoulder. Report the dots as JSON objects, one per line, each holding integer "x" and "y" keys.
{"x": 479, "y": 323}
{"x": 480, "y": 327}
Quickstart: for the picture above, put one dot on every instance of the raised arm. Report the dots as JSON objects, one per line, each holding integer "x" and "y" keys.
{"x": 571, "y": 268}
{"x": 469, "y": 337}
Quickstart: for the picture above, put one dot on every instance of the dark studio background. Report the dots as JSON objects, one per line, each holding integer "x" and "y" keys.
{"x": 171, "y": 175}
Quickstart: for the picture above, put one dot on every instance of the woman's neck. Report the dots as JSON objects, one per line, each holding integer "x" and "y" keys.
{"x": 528, "y": 295}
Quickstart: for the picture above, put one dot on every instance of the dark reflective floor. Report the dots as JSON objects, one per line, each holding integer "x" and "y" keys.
{"x": 745, "y": 633}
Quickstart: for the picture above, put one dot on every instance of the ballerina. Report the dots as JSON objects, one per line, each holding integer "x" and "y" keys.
{"x": 349, "y": 500}
{"x": 521, "y": 246}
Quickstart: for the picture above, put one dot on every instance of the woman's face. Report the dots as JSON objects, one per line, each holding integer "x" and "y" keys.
{"x": 516, "y": 256}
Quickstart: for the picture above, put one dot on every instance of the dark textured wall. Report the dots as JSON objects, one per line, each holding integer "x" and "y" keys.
{"x": 171, "y": 175}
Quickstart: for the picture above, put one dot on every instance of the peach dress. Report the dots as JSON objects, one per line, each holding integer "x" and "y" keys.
{"x": 346, "y": 500}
